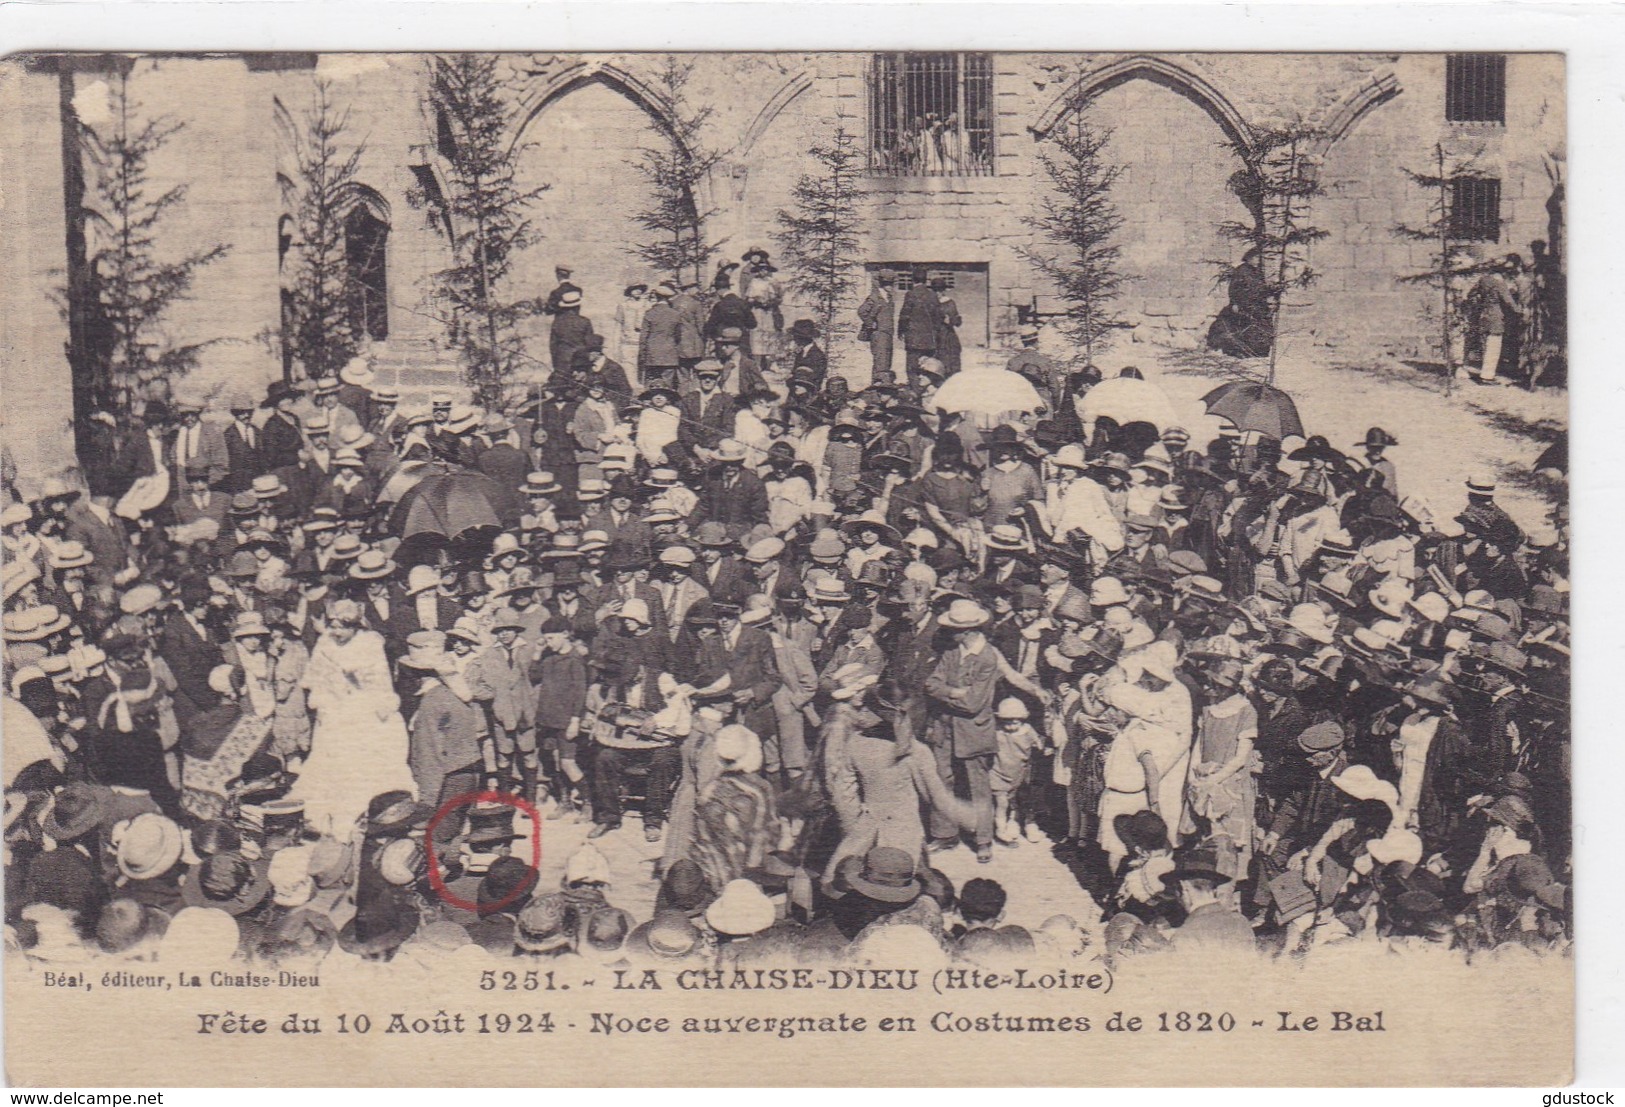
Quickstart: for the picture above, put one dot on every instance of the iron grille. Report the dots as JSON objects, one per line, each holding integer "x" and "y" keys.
{"x": 1475, "y": 209}
{"x": 931, "y": 115}
{"x": 1475, "y": 88}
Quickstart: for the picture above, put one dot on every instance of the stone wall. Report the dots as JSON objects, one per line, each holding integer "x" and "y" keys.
{"x": 586, "y": 117}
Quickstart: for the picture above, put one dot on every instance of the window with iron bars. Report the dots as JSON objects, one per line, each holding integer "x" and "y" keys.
{"x": 904, "y": 279}
{"x": 1475, "y": 88}
{"x": 1475, "y": 209}
{"x": 931, "y": 115}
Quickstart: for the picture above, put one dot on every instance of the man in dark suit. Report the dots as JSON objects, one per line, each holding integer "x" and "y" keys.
{"x": 617, "y": 518}
{"x": 198, "y": 501}
{"x": 93, "y": 525}
{"x": 707, "y": 412}
{"x": 503, "y": 461}
{"x": 722, "y": 574}
{"x": 570, "y": 331}
{"x": 691, "y": 330}
{"x": 753, "y": 672}
{"x": 918, "y": 324}
{"x": 659, "y": 346}
{"x": 730, "y": 494}
{"x": 555, "y": 299}
{"x": 144, "y": 446}
{"x": 811, "y": 363}
{"x": 282, "y": 437}
{"x": 961, "y": 689}
{"x": 185, "y": 645}
{"x": 877, "y": 318}
{"x": 243, "y": 459}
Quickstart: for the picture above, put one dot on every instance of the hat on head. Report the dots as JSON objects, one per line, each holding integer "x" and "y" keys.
{"x": 739, "y": 749}
{"x": 741, "y": 910}
{"x": 125, "y": 923}
{"x": 1011, "y": 708}
{"x": 55, "y": 488}
{"x": 228, "y": 882}
{"x": 1005, "y": 536}
{"x": 35, "y": 624}
{"x": 352, "y": 436}
{"x": 541, "y": 484}
{"x": 1199, "y": 862}
{"x": 148, "y": 845}
{"x": 425, "y": 650}
{"x": 321, "y": 518}
{"x": 466, "y": 629}
{"x": 545, "y": 925}
{"x": 372, "y": 565}
{"x": 826, "y": 545}
{"x": 730, "y": 450}
{"x": 422, "y": 578}
{"x": 502, "y": 546}
{"x": 1276, "y": 675}
{"x": 1107, "y": 591}
{"x": 1391, "y": 597}
{"x": 1142, "y": 830}
{"x": 964, "y": 615}
{"x": 1481, "y": 484}
{"x": 830, "y": 590}
{"x": 1159, "y": 659}
{"x": 268, "y": 486}
{"x": 713, "y": 533}
{"x": 75, "y": 811}
{"x": 140, "y": 599}
{"x": 886, "y": 874}
{"x": 1312, "y": 622}
{"x": 1321, "y": 737}
{"x": 357, "y": 372}
{"x": 249, "y": 624}
{"x": 200, "y": 935}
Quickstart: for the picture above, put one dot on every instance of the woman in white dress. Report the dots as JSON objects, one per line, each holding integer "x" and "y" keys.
{"x": 629, "y": 315}
{"x": 359, "y": 747}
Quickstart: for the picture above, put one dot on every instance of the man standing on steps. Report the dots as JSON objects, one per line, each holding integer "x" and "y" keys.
{"x": 1495, "y": 318}
{"x": 877, "y": 317}
{"x": 659, "y": 348}
{"x": 919, "y": 324}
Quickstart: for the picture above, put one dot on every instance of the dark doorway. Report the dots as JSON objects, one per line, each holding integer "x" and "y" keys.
{"x": 365, "y": 240}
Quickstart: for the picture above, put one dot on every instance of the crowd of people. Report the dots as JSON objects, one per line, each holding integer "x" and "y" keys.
{"x": 796, "y": 642}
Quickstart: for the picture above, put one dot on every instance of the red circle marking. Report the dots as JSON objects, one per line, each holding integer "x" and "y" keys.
{"x": 437, "y": 879}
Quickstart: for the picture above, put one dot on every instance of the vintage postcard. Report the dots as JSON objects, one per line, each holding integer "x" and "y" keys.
{"x": 878, "y": 568}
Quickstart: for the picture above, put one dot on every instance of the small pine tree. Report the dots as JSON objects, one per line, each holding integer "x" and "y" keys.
{"x": 130, "y": 355}
{"x": 1079, "y": 221}
{"x": 1445, "y": 270}
{"x": 321, "y": 333}
{"x": 675, "y": 171}
{"x": 487, "y": 213}
{"x": 820, "y": 234}
{"x": 1278, "y": 185}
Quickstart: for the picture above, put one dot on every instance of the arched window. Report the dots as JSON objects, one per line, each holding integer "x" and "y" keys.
{"x": 366, "y": 237}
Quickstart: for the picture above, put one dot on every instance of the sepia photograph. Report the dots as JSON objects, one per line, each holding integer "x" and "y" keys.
{"x": 978, "y": 567}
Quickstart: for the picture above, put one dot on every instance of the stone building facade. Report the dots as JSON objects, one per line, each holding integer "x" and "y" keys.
{"x": 954, "y": 142}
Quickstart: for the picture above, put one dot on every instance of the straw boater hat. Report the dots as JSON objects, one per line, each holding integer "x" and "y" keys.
{"x": 372, "y": 565}
{"x": 541, "y": 484}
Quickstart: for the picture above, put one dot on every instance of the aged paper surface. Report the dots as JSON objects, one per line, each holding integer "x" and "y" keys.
{"x": 720, "y": 569}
